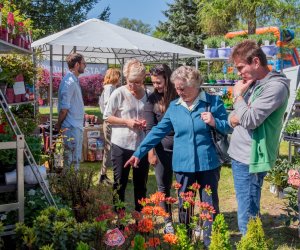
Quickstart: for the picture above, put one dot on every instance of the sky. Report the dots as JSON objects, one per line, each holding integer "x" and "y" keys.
{"x": 148, "y": 11}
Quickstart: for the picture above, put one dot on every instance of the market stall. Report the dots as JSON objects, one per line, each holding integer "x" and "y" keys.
{"x": 102, "y": 42}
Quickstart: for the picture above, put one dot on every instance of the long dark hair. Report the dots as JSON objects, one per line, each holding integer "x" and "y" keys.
{"x": 169, "y": 89}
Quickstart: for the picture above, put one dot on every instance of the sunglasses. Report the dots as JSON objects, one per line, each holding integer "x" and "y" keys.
{"x": 157, "y": 70}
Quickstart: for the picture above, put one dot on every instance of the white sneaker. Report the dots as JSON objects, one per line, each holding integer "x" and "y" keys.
{"x": 169, "y": 229}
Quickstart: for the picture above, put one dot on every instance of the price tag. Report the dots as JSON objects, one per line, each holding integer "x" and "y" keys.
{"x": 19, "y": 88}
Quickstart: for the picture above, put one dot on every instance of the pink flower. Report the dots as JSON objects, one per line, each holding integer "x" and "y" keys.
{"x": 294, "y": 178}
{"x": 10, "y": 19}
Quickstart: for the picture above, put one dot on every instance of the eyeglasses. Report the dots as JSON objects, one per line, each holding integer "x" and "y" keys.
{"x": 157, "y": 70}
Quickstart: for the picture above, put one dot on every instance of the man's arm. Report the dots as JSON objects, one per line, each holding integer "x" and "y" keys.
{"x": 61, "y": 117}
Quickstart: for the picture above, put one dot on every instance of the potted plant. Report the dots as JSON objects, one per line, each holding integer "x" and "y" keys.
{"x": 268, "y": 44}
{"x": 230, "y": 78}
{"x": 292, "y": 127}
{"x": 211, "y": 78}
{"x": 223, "y": 47}
{"x": 210, "y": 47}
{"x": 227, "y": 100}
{"x": 220, "y": 78}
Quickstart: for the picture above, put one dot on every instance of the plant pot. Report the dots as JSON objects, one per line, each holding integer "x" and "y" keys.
{"x": 11, "y": 177}
{"x": 210, "y": 53}
{"x": 228, "y": 81}
{"x": 212, "y": 82}
{"x": 224, "y": 52}
{"x": 10, "y": 96}
{"x": 269, "y": 50}
{"x": 18, "y": 98}
{"x": 273, "y": 189}
{"x": 220, "y": 81}
{"x": 4, "y": 34}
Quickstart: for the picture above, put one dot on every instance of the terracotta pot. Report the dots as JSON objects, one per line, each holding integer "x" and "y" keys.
{"x": 10, "y": 95}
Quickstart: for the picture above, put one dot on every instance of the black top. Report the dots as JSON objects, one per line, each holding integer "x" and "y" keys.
{"x": 153, "y": 116}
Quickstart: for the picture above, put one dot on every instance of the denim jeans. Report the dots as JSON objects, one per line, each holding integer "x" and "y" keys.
{"x": 72, "y": 147}
{"x": 248, "y": 191}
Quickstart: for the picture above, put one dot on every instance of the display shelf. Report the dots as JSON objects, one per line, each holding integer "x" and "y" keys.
{"x": 6, "y": 48}
{"x": 206, "y": 85}
{"x": 214, "y": 59}
{"x": 20, "y": 103}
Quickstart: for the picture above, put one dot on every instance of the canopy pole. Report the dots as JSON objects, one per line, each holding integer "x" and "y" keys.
{"x": 62, "y": 61}
{"x": 50, "y": 94}
{"x": 197, "y": 63}
{"x": 122, "y": 76}
{"x": 107, "y": 63}
{"x": 173, "y": 62}
{"x": 35, "y": 92}
{"x": 74, "y": 49}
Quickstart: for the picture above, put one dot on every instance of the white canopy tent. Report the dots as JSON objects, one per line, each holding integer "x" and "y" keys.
{"x": 102, "y": 42}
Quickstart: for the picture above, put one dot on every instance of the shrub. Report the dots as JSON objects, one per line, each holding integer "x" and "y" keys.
{"x": 254, "y": 239}
{"x": 220, "y": 238}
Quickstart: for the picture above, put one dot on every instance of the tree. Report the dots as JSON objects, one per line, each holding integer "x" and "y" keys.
{"x": 50, "y": 16}
{"x": 135, "y": 25}
{"x": 181, "y": 27}
{"x": 104, "y": 16}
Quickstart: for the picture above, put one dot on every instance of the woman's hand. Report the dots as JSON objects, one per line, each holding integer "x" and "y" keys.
{"x": 133, "y": 161}
{"x": 152, "y": 158}
{"x": 134, "y": 124}
{"x": 208, "y": 118}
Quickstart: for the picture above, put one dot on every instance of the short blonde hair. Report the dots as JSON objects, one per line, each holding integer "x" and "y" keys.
{"x": 112, "y": 76}
{"x": 188, "y": 74}
{"x": 134, "y": 69}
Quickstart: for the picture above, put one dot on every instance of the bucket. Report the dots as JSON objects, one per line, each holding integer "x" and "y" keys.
{"x": 11, "y": 177}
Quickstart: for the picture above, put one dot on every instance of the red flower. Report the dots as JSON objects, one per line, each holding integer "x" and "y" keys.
{"x": 177, "y": 185}
{"x": 136, "y": 215}
{"x": 171, "y": 200}
{"x": 206, "y": 217}
{"x": 153, "y": 242}
{"x": 195, "y": 186}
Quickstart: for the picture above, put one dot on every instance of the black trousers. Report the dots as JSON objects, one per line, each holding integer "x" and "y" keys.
{"x": 164, "y": 177}
{"x": 119, "y": 156}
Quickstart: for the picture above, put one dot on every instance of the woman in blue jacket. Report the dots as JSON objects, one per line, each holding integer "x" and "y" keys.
{"x": 194, "y": 155}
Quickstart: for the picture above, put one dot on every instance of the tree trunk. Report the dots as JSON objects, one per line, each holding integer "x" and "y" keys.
{"x": 252, "y": 23}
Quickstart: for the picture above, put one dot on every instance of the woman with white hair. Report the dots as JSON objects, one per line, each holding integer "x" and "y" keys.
{"x": 194, "y": 154}
{"x": 125, "y": 113}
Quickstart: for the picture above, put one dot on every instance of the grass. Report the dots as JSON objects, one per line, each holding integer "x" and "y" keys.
{"x": 88, "y": 110}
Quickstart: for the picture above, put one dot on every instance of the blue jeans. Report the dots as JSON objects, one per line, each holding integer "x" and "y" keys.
{"x": 248, "y": 191}
{"x": 72, "y": 147}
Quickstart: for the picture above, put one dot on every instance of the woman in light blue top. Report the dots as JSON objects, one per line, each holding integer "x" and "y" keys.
{"x": 194, "y": 155}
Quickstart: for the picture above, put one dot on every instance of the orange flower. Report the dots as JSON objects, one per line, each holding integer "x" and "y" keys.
{"x": 144, "y": 201}
{"x": 145, "y": 225}
{"x": 153, "y": 242}
{"x": 147, "y": 210}
{"x": 171, "y": 239}
{"x": 206, "y": 217}
{"x": 159, "y": 211}
{"x": 157, "y": 197}
{"x": 177, "y": 185}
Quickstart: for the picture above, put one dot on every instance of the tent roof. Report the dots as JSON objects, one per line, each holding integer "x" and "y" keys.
{"x": 98, "y": 41}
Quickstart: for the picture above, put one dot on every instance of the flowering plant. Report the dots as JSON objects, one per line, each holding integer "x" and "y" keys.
{"x": 143, "y": 230}
{"x": 91, "y": 85}
{"x": 294, "y": 178}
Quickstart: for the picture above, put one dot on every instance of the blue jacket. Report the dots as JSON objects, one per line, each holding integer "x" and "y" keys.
{"x": 193, "y": 146}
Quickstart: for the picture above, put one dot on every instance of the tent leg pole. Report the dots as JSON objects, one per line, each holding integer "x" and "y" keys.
{"x": 50, "y": 94}
{"x": 62, "y": 60}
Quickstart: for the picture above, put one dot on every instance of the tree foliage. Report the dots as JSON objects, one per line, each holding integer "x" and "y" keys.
{"x": 219, "y": 16}
{"x": 220, "y": 237}
{"x": 51, "y": 16}
{"x": 181, "y": 27}
{"x": 135, "y": 25}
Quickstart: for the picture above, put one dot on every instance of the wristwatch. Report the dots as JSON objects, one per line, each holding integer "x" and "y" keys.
{"x": 236, "y": 96}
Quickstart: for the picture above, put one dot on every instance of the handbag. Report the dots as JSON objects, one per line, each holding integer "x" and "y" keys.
{"x": 221, "y": 143}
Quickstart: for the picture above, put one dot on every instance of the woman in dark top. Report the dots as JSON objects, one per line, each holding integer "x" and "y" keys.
{"x": 161, "y": 156}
